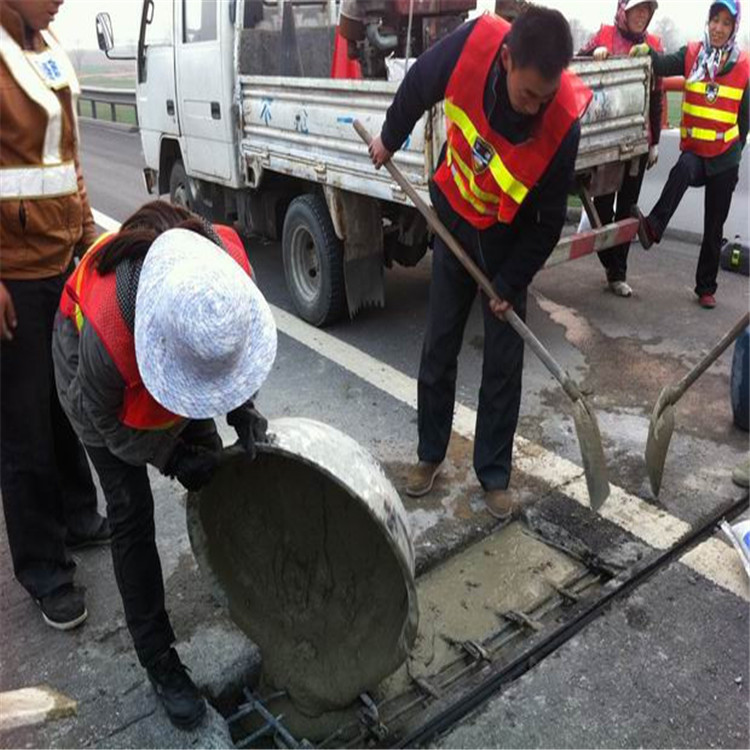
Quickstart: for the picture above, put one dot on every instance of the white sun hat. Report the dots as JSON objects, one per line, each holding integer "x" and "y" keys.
{"x": 205, "y": 338}
{"x": 632, "y": 3}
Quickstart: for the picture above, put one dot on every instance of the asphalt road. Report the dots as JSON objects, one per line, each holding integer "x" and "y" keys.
{"x": 668, "y": 667}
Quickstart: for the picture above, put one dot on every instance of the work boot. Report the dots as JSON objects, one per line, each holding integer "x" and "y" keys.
{"x": 178, "y": 694}
{"x": 620, "y": 288}
{"x": 422, "y": 477}
{"x": 707, "y": 301}
{"x": 102, "y": 535}
{"x": 500, "y": 503}
{"x": 64, "y": 608}
{"x": 741, "y": 473}
{"x": 645, "y": 232}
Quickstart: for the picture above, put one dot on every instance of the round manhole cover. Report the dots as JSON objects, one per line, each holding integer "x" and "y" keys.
{"x": 309, "y": 547}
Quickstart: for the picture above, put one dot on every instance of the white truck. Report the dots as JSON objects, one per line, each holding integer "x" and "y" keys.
{"x": 242, "y": 119}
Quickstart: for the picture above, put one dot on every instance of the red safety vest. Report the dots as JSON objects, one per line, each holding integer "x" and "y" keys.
{"x": 710, "y": 109}
{"x": 606, "y": 38}
{"x": 89, "y": 297}
{"x": 484, "y": 177}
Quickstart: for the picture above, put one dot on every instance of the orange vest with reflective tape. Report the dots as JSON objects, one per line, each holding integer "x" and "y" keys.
{"x": 607, "y": 39}
{"x": 485, "y": 177}
{"x": 91, "y": 298}
{"x": 710, "y": 109}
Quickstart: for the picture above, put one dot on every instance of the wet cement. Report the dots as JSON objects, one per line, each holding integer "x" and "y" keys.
{"x": 308, "y": 575}
{"x": 461, "y": 599}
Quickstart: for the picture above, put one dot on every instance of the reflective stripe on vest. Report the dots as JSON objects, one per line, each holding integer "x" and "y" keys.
{"x": 38, "y": 182}
{"x": 507, "y": 182}
{"x": 705, "y": 134}
{"x": 710, "y": 113}
{"x": 28, "y": 78}
{"x": 722, "y": 92}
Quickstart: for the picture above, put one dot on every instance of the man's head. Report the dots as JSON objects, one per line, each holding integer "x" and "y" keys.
{"x": 36, "y": 14}
{"x": 535, "y": 52}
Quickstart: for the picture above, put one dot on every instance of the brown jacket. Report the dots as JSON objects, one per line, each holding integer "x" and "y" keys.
{"x": 37, "y": 235}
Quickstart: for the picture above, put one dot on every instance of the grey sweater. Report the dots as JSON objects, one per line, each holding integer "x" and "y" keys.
{"x": 91, "y": 392}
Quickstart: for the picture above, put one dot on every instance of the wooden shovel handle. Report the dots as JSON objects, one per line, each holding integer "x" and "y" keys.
{"x": 439, "y": 228}
{"x": 710, "y": 358}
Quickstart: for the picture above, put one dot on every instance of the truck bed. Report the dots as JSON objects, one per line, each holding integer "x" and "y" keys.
{"x": 302, "y": 127}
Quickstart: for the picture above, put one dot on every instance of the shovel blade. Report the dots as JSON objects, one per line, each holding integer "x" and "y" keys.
{"x": 660, "y": 430}
{"x": 592, "y": 453}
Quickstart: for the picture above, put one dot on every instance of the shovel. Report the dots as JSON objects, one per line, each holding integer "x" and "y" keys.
{"x": 662, "y": 419}
{"x": 589, "y": 438}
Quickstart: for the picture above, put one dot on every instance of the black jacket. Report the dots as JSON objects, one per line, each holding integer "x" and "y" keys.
{"x": 524, "y": 245}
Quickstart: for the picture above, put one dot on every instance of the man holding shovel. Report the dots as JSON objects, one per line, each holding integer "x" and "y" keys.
{"x": 501, "y": 189}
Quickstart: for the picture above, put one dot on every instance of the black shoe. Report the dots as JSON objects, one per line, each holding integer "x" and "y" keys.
{"x": 102, "y": 535}
{"x": 645, "y": 233}
{"x": 182, "y": 701}
{"x": 65, "y": 608}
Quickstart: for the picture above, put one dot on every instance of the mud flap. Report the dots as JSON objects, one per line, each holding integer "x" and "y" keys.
{"x": 357, "y": 221}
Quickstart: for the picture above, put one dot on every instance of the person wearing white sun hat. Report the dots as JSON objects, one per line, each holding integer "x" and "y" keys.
{"x": 161, "y": 328}
{"x": 630, "y": 28}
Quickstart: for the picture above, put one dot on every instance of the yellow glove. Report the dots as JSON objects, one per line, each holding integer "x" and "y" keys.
{"x": 639, "y": 50}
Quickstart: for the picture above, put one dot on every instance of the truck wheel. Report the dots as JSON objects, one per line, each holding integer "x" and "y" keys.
{"x": 313, "y": 261}
{"x": 179, "y": 189}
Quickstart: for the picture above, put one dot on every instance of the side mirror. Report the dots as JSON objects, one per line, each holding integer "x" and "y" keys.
{"x": 104, "y": 35}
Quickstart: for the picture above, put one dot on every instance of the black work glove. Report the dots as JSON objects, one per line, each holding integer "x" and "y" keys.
{"x": 250, "y": 426}
{"x": 193, "y": 466}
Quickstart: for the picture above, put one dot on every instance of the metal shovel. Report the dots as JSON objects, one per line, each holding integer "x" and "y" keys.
{"x": 662, "y": 419}
{"x": 587, "y": 429}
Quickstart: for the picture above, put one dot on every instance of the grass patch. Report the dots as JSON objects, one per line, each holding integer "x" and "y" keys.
{"x": 123, "y": 112}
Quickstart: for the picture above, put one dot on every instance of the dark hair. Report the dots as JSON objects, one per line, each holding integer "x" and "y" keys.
{"x": 138, "y": 231}
{"x": 540, "y": 38}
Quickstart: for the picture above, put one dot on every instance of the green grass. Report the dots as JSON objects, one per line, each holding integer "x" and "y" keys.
{"x": 674, "y": 102}
{"x": 123, "y": 113}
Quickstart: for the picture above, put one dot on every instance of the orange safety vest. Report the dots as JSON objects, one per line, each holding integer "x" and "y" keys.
{"x": 710, "y": 109}
{"x": 484, "y": 177}
{"x": 89, "y": 297}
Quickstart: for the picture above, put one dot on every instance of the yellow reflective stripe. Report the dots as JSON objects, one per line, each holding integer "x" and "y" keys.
{"x": 469, "y": 175}
{"x": 466, "y": 193}
{"x": 704, "y": 134}
{"x": 710, "y": 113}
{"x": 507, "y": 182}
{"x": 725, "y": 92}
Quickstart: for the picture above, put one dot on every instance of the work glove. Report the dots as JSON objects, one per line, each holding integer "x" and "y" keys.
{"x": 653, "y": 156}
{"x": 250, "y": 426}
{"x": 601, "y": 53}
{"x": 193, "y": 466}
{"x": 639, "y": 50}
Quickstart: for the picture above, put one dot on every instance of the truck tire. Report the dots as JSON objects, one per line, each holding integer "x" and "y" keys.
{"x": 313, "y": 261}
{"x": 179, "y": 188}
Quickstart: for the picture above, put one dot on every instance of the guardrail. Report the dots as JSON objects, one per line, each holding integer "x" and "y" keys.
{"x": 111, "y": 97}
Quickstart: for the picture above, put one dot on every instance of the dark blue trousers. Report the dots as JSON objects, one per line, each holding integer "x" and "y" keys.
{"x": 452, "y": 293}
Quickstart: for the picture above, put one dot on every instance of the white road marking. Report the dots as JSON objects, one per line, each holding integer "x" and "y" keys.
{"x": 712, "y": 559}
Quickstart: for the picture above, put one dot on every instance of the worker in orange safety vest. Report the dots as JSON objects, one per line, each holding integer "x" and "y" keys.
{"x": 501, "y": 188}
{"x": 161, "y": 329}
{"x": 713, "y": 132}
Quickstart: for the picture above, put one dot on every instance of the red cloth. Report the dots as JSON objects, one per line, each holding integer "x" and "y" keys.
{"x": 341, "y": 65}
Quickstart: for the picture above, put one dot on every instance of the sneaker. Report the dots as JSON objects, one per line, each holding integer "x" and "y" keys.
{"x": 103, "y": 535}
{"x": 645, "y": 233}
{"x": 707, "y": 301}
{"x": 621, "y": 288}
{"x": 741, "y": 473}
{"x": 500, "y": 503}
{"x": 422, "y": 477}
{"x": 178, "y": 694}
{"x": 64, "y": 608}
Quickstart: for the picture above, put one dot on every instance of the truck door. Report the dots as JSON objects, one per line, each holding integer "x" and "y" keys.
{"x": 203, "y": 39}
{"x": 155, "y": 86}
